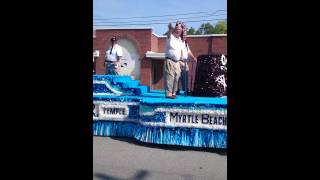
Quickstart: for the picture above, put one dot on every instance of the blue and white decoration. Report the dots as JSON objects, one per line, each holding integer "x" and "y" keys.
{"x": 122, "y": 107}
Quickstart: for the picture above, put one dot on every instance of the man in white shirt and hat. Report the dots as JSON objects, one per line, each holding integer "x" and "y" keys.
{"x": 173, "y": 54}
{"x": 113, "y": 56}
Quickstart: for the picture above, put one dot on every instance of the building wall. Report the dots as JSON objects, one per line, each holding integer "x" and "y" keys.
{"x": 161, "y": 44}
{"x": 144, "y": 40}
{"x": 154, "y": 43}
{"x": 140, "y": 38}
{"x": 157, "y": 74}
{"x": 219, "y": 45}
{"x": 201, "y": 45}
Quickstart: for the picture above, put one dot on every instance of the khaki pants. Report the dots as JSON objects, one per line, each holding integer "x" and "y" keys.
{"x": 172, "y": 73}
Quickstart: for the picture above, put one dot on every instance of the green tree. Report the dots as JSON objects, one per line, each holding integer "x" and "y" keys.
{"x": 191, "y": 31}
{"x": 220, "y": 27}
{"x": 207, "y": 28}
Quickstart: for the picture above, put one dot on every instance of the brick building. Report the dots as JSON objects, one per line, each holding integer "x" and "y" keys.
{"x": 144, "y": 51}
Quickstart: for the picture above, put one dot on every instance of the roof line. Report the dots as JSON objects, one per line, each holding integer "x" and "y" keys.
{"x": 205, "y": 35}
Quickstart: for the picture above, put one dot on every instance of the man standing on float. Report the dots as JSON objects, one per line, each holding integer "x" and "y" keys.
{"x": 113, "y": 56}
{"x": 173, "y": 54}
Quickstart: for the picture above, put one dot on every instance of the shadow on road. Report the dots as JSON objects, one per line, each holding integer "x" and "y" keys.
{"x": 140, "y": 175}
{"x": 170, "y": 147}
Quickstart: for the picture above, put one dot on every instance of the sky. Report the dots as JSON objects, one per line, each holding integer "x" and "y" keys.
{"x": 142, "y": 13}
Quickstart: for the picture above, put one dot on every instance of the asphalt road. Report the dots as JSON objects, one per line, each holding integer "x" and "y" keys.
{"x": 126, "y": 158}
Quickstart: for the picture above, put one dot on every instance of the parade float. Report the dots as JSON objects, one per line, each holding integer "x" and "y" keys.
{"x": 122, "y": 107}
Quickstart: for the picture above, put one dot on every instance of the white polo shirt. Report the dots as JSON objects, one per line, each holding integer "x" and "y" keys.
{"x": 185, "y": 51}
{"x": 116, "y": 51}
{"x": 173, "y": 48}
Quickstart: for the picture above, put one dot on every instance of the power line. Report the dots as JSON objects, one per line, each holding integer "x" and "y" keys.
{"x": 155, "y": 23}
{"x": 149, "y": 16}
{"x": 209, "y": 14}
{"x": 201, "y": 12}
{"x": 161, "y": 20}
